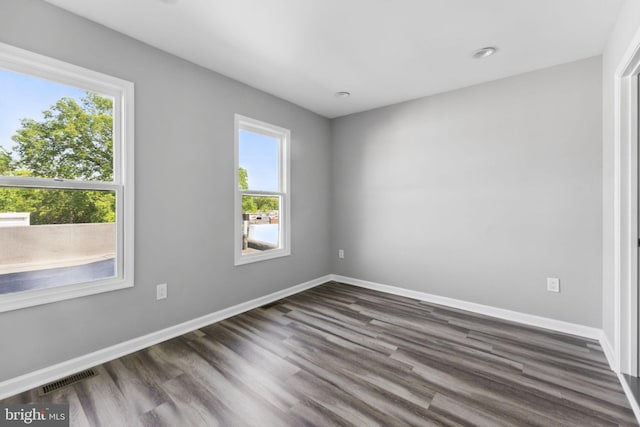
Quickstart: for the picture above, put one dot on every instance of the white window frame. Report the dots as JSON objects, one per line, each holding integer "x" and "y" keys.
{"x": 122, "y": 92}
{"x": 284, "y": 137}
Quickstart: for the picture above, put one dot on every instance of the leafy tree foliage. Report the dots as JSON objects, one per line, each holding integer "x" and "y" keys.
{"x": 255, "y": 204}
{"x": 72, "y": 141}
{"x": 265, "y": 204}
{"x": 243, "y": 178}
{"x": 5, "y": 162}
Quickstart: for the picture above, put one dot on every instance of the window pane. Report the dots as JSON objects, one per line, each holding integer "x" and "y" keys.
{"x": 55, "y": 237}
{"x": 259, "y": 162}
{"x": 261, "y": 223}
{"x": 50, "y": 130}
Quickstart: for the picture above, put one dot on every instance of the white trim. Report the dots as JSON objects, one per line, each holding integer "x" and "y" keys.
{"x": 37, "y": 378}
{"x": 513, "y": 316}
{"x": 607, "y": 348}
{"x": 126, "y": 172}
{"x": 625, "y": 211}
{"x": 500, "y": 313}
{"x": 284, "y": 137}
{"x": 31, "y": 63}
{"x": 630, "y": 397}
{"x": 633, "y": 235}
{"x": 122, "y": 92}
{"x": 66, "y": 184}
{"x": 19, "y": 300}
{"x": 617, "y": 235}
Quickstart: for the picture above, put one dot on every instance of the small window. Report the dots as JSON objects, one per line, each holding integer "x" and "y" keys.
{"x": 262, "y": 191}
{"x": 66, "y": 180}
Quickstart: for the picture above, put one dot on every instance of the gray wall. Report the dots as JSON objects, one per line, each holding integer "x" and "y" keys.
{"x": 627, "y": 25}
{"x": 184, "y": 194}
{"x": 479, "y": 194}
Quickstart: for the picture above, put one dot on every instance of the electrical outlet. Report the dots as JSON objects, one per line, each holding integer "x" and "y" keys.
{"x": 161, "y": 291}
{"x": 553, "y": 284}
{"x": 341, "y": 253}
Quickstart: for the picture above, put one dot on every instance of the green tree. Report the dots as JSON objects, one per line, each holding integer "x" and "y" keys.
{"x": 248, "y": 206}
{"x": 72, "y": 141}
{"x": 243, "y": 178}
{"x": 266, "y": 203}
{"x": 5, "y": 162}
{"x": 254, "y": 204}
{"x": 19, "y": 199}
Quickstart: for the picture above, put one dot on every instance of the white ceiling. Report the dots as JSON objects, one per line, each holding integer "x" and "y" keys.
{"x": 382, "y": 51}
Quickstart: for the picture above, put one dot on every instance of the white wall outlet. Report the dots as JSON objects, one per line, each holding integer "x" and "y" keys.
{"x": 553, "y": 284}
{"x": 161, "y": 291}
{"x": 341, "y": 253}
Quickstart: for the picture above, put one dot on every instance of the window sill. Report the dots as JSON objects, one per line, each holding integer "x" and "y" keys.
{"x": 15, "y": 301}
{"x": 262, "y": 256}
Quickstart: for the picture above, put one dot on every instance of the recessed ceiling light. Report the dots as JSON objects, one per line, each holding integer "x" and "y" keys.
{"x": 484, "y": 52}
{"x": 342, "y": 94}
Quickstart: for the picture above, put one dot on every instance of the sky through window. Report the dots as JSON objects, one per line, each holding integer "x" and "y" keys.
{"x": 23, "y": 97}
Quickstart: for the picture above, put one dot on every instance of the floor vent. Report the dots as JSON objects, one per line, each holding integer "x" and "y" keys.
{"x": 71, "y": 379}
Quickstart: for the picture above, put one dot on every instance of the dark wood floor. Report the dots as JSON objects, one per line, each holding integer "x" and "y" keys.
{"x": 340, "y": 355}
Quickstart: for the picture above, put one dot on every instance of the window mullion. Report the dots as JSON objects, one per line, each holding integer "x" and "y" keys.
{"x": 259, "y": 193}
{"x": 30, "y": 182}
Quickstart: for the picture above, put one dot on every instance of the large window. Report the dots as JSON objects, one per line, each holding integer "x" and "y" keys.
{"x": 262, "y": 191}
{"x": 66, "y": 180}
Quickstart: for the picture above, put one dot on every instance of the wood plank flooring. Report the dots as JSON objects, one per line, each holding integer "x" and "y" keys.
{"x": 338, "y": 355}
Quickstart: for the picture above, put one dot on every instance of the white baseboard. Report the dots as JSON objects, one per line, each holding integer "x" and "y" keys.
{"x": 514, "y": 316}
{"x": 37, "y": 378}
{"x": 630, "y": 397}
{"x": 608, "y": 352}
{"x": 43, "y": 376}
